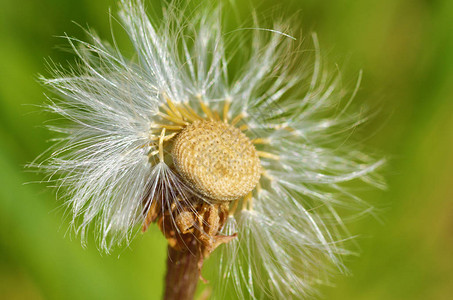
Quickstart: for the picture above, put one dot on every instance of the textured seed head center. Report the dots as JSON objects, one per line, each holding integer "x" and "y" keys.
{"x": 217, "y": 160}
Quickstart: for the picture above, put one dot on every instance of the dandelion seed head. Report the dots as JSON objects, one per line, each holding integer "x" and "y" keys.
{"x": 217, "y": 159}
{"x": 274, "y": 145}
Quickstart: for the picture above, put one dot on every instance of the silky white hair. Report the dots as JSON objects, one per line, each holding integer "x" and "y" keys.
{"x": 292, "y": 239}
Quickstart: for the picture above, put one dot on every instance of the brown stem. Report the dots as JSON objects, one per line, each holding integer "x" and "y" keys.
{"x": 183, "y": 272}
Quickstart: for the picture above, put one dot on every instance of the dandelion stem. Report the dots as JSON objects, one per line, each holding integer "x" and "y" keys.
{"x": 183, "y": 272}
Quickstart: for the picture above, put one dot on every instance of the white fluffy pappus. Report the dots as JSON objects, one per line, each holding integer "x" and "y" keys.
{"x": 290, "y": 235}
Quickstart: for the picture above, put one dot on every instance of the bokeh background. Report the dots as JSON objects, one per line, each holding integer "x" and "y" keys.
{"x": 405, "y": 48}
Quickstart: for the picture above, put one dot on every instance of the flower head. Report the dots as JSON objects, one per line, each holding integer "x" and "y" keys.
{"x": 173, "y": 132}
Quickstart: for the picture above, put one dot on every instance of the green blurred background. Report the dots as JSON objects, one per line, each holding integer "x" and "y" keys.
{"x": 405, "y": 48}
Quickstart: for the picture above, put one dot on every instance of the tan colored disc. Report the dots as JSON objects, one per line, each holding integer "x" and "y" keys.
{"x": 217, "y": 160}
